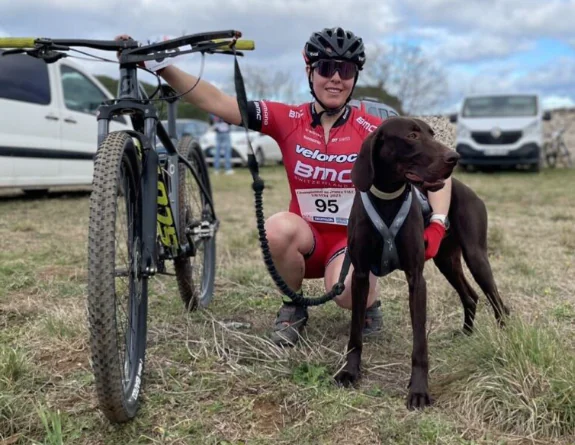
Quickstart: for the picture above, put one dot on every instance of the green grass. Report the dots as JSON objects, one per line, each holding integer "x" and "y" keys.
{"x": 209, "y": 383}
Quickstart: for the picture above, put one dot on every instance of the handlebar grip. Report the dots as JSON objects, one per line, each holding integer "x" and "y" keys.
{"x": 17, "y": 42}
{"x": 245, "y": 45}
{"x": 241, "y": 44}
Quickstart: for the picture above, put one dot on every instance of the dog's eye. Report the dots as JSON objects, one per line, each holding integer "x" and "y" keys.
{"x": 413, "y": 135}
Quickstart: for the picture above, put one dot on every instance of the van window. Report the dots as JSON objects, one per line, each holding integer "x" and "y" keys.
{"x": 24, "y": 79}
{"x": 500, "y": 106}
{"x": 373, "y": 111}
{"x": 80, "y": 93}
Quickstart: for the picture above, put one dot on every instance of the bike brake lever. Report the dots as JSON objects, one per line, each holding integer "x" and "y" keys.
{"x": 13, "y": 51}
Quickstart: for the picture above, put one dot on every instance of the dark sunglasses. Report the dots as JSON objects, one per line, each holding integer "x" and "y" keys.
{"x": 327, "y": 68}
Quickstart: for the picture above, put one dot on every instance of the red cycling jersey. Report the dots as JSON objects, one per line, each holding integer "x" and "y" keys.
{"x": 318, "y": 172}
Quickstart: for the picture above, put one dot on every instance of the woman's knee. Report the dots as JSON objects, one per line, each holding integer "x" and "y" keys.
{"x": 286, "y": 231}
{"x": 345, "y": 301}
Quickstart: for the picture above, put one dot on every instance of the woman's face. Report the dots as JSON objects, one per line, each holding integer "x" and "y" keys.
{"x": 331, "y": 91}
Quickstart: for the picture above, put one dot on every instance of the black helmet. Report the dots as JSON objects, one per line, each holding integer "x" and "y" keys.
{"x": 334, "y": 43}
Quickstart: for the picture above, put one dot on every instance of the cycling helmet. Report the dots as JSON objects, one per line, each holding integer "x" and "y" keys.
{"x": 333, "y": 43}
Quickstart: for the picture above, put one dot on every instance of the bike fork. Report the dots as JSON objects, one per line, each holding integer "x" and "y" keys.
{"x": 149, "y": 189}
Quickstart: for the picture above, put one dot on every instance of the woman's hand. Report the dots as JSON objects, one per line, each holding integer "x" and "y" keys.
{"x": 123, "y": 37}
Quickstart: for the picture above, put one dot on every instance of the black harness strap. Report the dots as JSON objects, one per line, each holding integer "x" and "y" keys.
{"x": 389, "y": 257}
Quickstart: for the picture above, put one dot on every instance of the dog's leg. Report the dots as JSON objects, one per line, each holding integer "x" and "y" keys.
{"x": 448, "y": 261}
{"x": 479, "y": 266}
{"x": 351, "y": 372}
{"x": 418, "y": 396}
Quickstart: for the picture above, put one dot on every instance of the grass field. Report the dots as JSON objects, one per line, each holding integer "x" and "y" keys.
{"x": 210, "y": 382}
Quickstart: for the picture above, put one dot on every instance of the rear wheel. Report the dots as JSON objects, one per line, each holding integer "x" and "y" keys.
{"x": 117, "y": 291}
{"x": 196, "y": 273}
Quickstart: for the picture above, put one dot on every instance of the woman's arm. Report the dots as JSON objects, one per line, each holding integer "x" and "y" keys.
{"x": 204, "y": 95}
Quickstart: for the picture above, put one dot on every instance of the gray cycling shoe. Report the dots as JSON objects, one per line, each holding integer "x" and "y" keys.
{"x": 373, "y": 319}
{"x": 288, "y": 325}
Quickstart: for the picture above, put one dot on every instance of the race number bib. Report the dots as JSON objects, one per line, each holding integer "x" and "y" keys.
{"x": 330, "y": 206}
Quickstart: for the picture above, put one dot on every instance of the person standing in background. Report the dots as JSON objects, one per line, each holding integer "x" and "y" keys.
{"x": 223, "y": 144}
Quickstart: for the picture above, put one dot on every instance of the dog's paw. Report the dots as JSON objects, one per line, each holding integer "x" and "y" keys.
{"x": 418, "y": 400}
{"x": 347, "y": 378}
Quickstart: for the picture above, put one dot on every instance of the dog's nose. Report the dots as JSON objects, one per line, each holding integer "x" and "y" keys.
{"x": 452, "y": 157}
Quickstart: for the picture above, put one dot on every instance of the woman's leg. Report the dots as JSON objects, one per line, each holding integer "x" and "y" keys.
{"x": 332, "y": 272}
{"x": 290, "y": 240}
{"x": 373, "y": 315}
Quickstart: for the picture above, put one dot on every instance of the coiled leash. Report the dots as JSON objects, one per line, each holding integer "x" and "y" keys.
{"x": 258, "y": 188}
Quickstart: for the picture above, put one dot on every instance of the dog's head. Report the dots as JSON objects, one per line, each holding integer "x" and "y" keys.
{"x": 403, "y": 148}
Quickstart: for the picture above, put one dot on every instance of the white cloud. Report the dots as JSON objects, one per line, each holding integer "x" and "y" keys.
{"x": 508, "y": 17}
{"x": 474, "y": 41}
{"x": 444, "y": 45}
{"x": 552, "y": 102}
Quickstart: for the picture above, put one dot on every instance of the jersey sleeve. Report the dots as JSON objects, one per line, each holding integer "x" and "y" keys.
{"x": 271, "y": 118}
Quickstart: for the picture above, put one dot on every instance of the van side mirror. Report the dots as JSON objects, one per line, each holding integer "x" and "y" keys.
{"x": 547, "y": 116}
{"x": 453, "y": 118}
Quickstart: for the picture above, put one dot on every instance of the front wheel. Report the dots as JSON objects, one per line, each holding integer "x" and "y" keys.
{"x": 550, "y": 154}
{"x": 117, "y": 289}
{"x": 195, "y": 273}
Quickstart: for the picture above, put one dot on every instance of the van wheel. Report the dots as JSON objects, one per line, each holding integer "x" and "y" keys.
{"x": 35, "y": 193}
{"x": 534, "y": 168}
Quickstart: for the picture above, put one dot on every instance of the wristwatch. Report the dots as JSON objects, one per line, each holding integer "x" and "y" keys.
{"x": 439, "y": 217}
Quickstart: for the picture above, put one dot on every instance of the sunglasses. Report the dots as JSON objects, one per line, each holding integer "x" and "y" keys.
{"x": 327, "y": 68}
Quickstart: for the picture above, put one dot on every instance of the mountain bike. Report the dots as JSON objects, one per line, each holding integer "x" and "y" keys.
{"x": 147, "y": 207}
{"x": 555, "y": 150}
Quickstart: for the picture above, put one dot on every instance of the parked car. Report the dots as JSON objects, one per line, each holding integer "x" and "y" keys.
{"x": 266, "y": 149}
{"x": 48, "y": 129}
{"x": 500, "y": 130}
{"x": 374, "y": 107}
{"x": 193, "y": 127}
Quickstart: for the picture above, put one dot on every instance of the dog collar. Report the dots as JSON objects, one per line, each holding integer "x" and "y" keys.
{"x": 387, "y": 196}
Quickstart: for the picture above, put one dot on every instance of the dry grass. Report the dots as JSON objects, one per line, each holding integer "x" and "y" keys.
{"x": 210, "y": 383}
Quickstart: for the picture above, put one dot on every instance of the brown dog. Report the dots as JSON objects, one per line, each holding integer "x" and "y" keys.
{"x": 402, "y": 151}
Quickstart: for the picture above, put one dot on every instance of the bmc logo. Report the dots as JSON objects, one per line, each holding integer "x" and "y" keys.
{"x": 323, "y": 157}
{"x": 322, "y": 173}
{"x": 365, "y": 124}
{"x": 295, "y": 114}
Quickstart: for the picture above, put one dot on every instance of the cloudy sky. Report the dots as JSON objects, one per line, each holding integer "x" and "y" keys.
{"x": 484, "y": 45}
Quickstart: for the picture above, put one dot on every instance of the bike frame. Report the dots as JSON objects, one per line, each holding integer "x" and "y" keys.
{"x": 160, "y": 180}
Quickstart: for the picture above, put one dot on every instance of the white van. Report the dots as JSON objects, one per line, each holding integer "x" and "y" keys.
{"x": 500, "y": 130}
{"x": 48, "y": 127}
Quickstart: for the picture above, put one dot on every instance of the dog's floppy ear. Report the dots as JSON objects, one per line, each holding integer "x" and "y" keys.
{"x": 362, "y": 171}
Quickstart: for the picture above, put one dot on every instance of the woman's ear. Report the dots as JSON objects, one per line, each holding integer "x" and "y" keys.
{"x": 362, "y": 171}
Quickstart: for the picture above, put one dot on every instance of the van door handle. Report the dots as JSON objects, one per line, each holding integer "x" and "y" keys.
{"x": 70, "y": 120}
{"x": 51, "y": 117}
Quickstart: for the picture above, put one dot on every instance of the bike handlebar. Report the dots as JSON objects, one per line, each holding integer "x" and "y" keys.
{"x": 218, "y": 41}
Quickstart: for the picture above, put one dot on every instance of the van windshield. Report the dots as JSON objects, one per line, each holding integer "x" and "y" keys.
{"x": 500, "y": 106}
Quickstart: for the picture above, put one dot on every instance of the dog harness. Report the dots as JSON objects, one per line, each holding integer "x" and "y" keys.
{"x": 389, "y": 257}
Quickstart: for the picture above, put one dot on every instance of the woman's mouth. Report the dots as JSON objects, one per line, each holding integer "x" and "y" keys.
{"x": 333, "y": 90}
